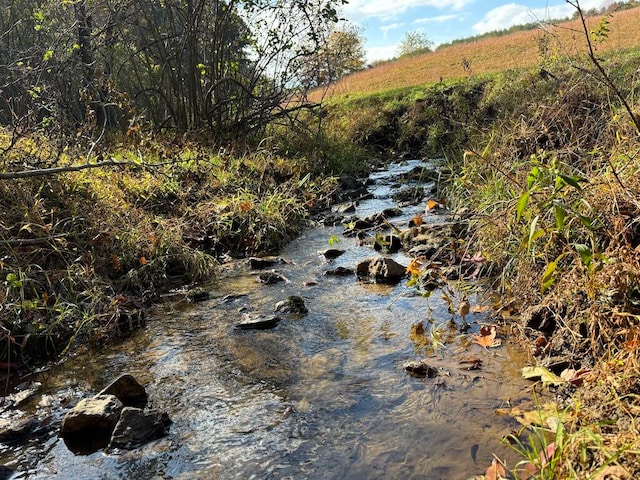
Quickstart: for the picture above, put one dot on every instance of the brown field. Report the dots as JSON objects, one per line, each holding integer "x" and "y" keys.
{"x": 519, "y": 49}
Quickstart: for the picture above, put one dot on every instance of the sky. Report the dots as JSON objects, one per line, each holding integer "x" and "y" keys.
{"x": 384, "y": 23}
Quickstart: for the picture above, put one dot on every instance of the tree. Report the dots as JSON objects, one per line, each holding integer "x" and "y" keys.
{"x": 342, "y": 54}
{"x": 414, "y": 43}
{"x": 87, "y": 66}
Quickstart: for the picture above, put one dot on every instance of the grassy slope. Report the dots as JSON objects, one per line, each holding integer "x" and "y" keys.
{"x": 520, "y": 49}
{"x": 552, "y": 174}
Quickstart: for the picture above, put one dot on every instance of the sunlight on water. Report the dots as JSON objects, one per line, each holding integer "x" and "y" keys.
{"x": 324, "y": 396}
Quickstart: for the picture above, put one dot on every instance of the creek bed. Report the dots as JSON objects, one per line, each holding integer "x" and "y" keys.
{"x": 324, "y": 396}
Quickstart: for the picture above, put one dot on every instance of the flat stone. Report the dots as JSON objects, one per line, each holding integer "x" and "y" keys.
{"x": 257, "y": 322}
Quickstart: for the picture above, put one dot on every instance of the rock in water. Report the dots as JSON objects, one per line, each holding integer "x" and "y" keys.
{"x": 257, "y": 322}
{"x": 421, "y": 369}
{"x": 271, "y": 277}
{"x": 331, "y": 253}
{"x": 380, "y": 270}
{"x": 293, "y": 304}
{"x": 87, "y": 427}
{"x": 127, "y": 390}
{"x": 259, "y": 263}
{"x": 137, "y": 427}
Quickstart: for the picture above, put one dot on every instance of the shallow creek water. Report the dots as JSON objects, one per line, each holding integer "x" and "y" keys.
{"x": 324, "y": 396}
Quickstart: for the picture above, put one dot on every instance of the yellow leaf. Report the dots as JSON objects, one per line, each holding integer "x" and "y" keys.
{"x": 547, "y": 377}
{"x": 414, "y": 267}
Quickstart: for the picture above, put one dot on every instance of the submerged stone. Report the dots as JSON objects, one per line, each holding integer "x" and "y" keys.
{"x": 257, "y": 322}
{"x": 293, "y": 304}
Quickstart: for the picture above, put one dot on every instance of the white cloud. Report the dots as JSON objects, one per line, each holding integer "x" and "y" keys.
{"x": 381, "y": 53}
{"x": 357, "y": 10}
{"x": 437, "y": 19}
{"x": 511, "y": 14}
{"x": 392, "y": 26}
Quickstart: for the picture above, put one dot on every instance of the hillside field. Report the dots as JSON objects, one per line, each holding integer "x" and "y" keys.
{"x": 516, "y": 50}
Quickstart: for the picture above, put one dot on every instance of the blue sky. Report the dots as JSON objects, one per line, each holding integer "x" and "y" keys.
{"x": 385, "y": 22}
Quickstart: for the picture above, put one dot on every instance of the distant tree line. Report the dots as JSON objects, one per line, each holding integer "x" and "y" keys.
{"x": 225, "y": 66}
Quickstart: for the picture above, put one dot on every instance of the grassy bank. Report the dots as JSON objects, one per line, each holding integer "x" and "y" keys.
{"x": 84, "y": 253}
{"x": 547, "y": 160}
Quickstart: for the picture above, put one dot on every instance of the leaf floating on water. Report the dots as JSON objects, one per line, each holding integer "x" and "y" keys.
{"x": 545, "y": 415}
{"x": 474, "y": 451}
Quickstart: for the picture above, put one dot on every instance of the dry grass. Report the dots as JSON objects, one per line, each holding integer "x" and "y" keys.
{"x": 520, "y": 49}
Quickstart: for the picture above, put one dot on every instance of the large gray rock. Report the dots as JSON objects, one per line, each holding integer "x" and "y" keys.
{"x": 90, "y": 414}
{"x": 127, "y": 390}
{"x": 380, "y": 270}
{"x": 137, "y": 427}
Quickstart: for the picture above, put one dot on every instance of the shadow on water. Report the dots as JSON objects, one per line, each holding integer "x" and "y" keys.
{"x": 324, "y": 396}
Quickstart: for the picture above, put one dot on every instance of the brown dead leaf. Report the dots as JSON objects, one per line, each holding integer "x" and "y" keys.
{"x": 481, "y": 308}
{"x": 487, "y": 337}
{"x": 495, "y": 471}
{"x": 613, "y": 472}
{"x": 417, "y": 220}
{"x": 574, "y": 377}
{"x": 431, "y": 204}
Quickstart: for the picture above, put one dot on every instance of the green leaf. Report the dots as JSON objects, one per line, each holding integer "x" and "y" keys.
{"x": 522, "y": 203}
{"x": 586, "y": 221}
{"x": 534, "y": 232}
{"x": 548, "y": 277}
{"x": 533, "y": 176}
{"x": 571, "y": 181}
{"x": 13, "y": 280}
{"x": 561, "y": 214}
{"x": 585, "y": 253}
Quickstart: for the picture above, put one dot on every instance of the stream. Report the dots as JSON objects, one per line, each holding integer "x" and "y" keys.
{"x": 322, "y": 396}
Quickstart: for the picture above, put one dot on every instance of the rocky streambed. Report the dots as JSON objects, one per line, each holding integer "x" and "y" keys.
{"x": 350, "y": 355}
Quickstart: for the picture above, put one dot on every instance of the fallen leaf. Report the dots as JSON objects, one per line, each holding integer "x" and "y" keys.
{"x": 488, "y": 339}
{"x": 414, "y": 267}
{"x": 540, "y": 417}
{"x": 495, "y": 471}
{"x": 431, "y": 204}
{"x": 545, "y": 376}
{"x": 481, "y": 308}
{"x": 574, "y": 377}
{"x": 463, "y": 308}
{"x": 613, "y": 472}
{"x": 417, "y": 220}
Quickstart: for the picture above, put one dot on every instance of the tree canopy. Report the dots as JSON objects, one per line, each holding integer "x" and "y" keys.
{"x": 229, "y": 66}
{"x": 414, "y": 43}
